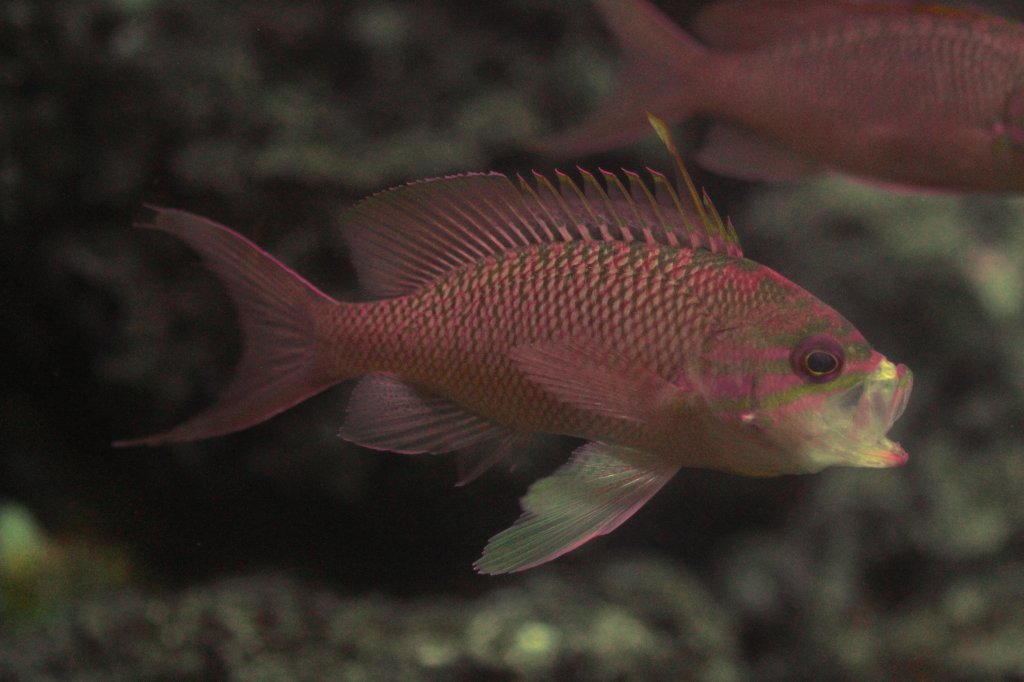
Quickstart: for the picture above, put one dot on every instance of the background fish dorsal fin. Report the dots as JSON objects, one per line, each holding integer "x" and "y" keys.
{"x": 940, "y": 10}
{"x": 405, "y": 238}
{"x": 752, "y": 24}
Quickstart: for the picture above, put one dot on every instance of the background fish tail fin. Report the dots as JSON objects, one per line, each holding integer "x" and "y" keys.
{"x": 281, "y": 363}
{"x": 660, "y": 74}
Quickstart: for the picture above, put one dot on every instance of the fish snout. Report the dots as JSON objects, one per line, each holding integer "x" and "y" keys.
{"x": 904, "y": 384}
{"x": 885, "y": 397}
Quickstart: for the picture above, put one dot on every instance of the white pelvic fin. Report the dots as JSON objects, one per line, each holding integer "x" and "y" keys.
{"x": 599, "y": 488}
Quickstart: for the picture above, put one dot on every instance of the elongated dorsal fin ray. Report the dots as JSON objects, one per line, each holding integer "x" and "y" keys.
{"x": 405, "y": 238}
{"x": 721, "y": 236}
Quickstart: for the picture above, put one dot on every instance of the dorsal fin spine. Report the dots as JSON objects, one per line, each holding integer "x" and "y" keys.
{"x": 643, "y": 221}
{"x": 537, "y": 207}
{"x": 613, "y": 181}
{"x": 566, "y": 183}
{"x": 692, "y": 234}
{"x": 659, "y": 213}
{"x": 660, "y": 206}
{"x": 720, "y": 235}
{"x": 609, "y": 205}
{"x": 581, "y": 190}
{"x": 734, "y": 249}
{"x": 714, "y": 218}
{"x": 510, "y": 208}
{"x": 406, "y": 238}
{"x": 666, "y": 138}
{"x": 566, "y": 225}
{"x": 578, "y": 225}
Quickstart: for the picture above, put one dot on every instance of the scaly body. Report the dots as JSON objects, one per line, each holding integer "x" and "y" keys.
{"x": 613, "y": 315}
{"x": 652, "y": 306}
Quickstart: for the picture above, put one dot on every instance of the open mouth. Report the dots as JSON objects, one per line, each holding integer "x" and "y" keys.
{"x": 883, "y": 398}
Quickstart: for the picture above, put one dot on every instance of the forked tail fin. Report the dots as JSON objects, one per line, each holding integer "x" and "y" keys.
{"x": 277, "y": 310}
{"x": 662, "y": 72}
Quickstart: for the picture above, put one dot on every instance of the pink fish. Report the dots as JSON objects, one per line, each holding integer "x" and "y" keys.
{"x": 914, "y": 96}
{"x": 505, "y": 309}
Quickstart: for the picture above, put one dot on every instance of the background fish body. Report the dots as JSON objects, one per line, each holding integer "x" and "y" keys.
{"x": 614, "y": 316}
{"x": 917, "y": 97}
{"x": 753, "y": 24}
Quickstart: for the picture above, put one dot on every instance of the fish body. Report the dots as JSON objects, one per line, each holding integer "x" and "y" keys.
{"x": 753, "y": 24}
{"x": 513, "y": 333}
{"x": 615, "y": 315}
{"x": 915, "y": 96}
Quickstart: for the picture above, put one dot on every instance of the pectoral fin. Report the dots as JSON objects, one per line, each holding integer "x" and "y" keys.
{"x": 599, "y": 488}
{"x": 595, "y": 379}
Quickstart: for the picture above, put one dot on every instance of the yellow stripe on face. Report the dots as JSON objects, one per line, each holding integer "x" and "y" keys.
{"x": 805, "y": 390}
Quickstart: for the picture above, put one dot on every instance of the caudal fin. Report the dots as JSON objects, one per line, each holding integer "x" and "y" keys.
{"x": 662, "y": 63}
{"x": 277, "y": 309}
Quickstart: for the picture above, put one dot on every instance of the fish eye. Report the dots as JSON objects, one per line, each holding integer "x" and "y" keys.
{"x": 820, "y": 362}
{"x": 818, "y": 359}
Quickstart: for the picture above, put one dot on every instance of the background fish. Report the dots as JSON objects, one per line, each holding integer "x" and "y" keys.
{"x": 740, "y": 24}
{"x": 610, "y": 315}
{"x": 909, "y": 95}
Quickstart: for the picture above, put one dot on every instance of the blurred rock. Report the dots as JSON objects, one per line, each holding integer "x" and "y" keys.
{"x": 275, "y": 117}
{"x": 635, "y": 619}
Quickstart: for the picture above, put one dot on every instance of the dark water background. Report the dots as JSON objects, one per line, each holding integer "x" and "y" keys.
{"x": 285, "y": 553}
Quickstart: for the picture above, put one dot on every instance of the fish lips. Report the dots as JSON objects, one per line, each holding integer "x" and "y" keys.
{"x": 880, "y": 401}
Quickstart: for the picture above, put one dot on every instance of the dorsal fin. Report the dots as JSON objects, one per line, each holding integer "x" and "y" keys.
{"x": 404, "y": 238}
{"x": 751, "y": 24}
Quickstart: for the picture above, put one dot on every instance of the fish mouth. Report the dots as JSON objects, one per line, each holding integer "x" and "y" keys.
{"x": 882, "y": 399}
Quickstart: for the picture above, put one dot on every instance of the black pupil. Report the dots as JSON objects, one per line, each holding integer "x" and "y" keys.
{"x": 820, "y": 362}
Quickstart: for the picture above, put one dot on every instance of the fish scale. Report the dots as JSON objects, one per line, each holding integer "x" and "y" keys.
{"x": 605, "y": 310}
{"x": 545, "y": 284}
{"x": 970, "y": 92}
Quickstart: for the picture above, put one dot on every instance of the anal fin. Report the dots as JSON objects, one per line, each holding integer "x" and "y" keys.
{"x": 599, "y": 488}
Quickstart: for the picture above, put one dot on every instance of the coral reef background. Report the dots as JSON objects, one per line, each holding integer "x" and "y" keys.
{"x": 285, "y": 553}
